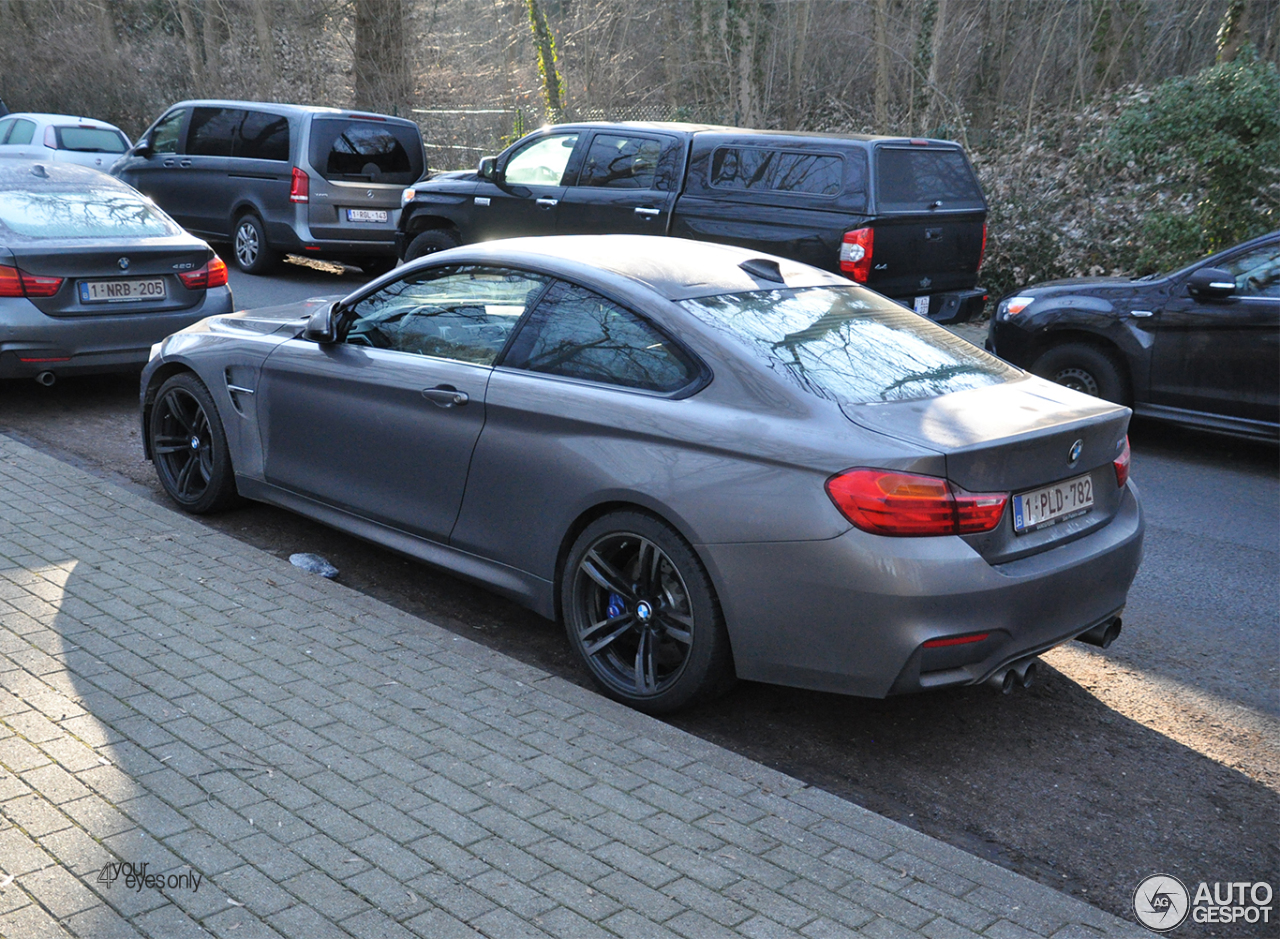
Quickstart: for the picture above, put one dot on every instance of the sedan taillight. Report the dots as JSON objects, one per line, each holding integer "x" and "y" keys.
{"x": 1121, "y": 463}
{"x": 213, "y": 274}
{"x": 855, "y": 254}
{"x": 18, "y": 283}
{"x": 886, "y": 502}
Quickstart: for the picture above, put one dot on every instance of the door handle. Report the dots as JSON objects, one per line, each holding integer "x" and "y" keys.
{"x": 170, "y": 162}
{"x": 445, "y": 396}
{"x": 546, "y": 202}
{"x": 185, "y": 163}
{"x": 648, "y": 213}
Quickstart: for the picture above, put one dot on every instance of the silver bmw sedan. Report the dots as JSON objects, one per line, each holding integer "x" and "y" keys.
{"x": 704, "y": 461}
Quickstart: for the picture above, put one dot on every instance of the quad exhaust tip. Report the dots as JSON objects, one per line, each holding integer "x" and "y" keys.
{"x": 46, "y": 378}
{"x": 1103, "y": 634}
{"x": 1018, "y": 675}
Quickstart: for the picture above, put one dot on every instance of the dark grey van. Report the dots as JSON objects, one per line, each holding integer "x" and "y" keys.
{"x": 275, "y": 178}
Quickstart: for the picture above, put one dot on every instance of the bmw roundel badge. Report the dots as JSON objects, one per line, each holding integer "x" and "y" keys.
{"x": 1076, "y": 449}
{"x": 124, "y": 264}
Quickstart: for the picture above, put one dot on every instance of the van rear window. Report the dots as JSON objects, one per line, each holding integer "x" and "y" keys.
{"x": 918, "y": 178}
{"x": 366, "y": 151}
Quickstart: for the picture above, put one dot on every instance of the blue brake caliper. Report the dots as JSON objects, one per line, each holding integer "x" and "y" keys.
{"x": 616, "y": 606}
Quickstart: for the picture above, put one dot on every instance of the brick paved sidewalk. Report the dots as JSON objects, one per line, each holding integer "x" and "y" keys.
{"x": 294, "y": 758}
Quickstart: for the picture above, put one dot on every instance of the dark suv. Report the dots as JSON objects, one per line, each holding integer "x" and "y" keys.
{"x": 271, "y": 178}
{"x": 906, "y": 217}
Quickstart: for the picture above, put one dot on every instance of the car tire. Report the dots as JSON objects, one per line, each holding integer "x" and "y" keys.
{"x": 189, "y": 447}
{"x": 429, "y": 242}
{"x": 642, "y": 615}
{"x": 249, "y": 244}
{"x": 1086, "y": 368}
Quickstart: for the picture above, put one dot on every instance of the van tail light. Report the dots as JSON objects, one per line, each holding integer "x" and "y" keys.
{"x": 300, "y": 186}
{"x": 18, "y": 283}
{"x": 855, "y": 254}
{"x": 982, "y": 252}
{"x": 885, "y": 502}
{"x": 1121, "y": 463}
{"x": 213, "y": 274}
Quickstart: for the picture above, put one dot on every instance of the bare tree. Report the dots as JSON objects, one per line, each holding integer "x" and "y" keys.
{"x": 381, "y": 68}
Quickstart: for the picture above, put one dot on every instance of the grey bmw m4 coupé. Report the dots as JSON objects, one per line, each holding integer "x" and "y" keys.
{"x": 705, "y": 461}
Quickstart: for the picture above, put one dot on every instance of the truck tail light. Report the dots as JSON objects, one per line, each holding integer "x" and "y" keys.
{"x": 855, "y": 254}
{"x": 886, "y": 502}
{"x": 213, "y": 274}
{"x": 982, "y": 252}
{"x": 1121, "y": 463}
{"x": 18, "y": 283}
{"x": 299, "y": 186}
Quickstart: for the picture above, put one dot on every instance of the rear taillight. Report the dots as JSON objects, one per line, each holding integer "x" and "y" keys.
{"x": 18, "y": 283}
{"x": 855, "y": 254}
{"x": 299, "y": 186}
{"x": 982, "y": 252}
{"x": 955, "y": 640}
{"x": 885, "y": 502}
{"x": 213, "y": 274}
{"x": 1121, "y": 463}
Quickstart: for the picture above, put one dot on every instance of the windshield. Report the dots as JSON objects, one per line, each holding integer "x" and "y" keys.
{"x": 96, "y": 213}
{"x": 850, "y": 345}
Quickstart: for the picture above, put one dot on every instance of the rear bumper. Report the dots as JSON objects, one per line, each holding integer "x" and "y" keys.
{"x": 957, "y": 306}
{"x": 851, "y": 614}
{"x": 32, "y": 343}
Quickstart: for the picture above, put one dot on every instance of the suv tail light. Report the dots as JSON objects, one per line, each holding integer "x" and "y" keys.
{"x": 886, "y": 502}
{"x": 213, "y": 274}
{"x": 299, "y": 186}
{"x": 855, "y": 254}
{"x": 982, "y": 252}
{"x": 1121, "y": 463}
{"x": 18, "y": 283}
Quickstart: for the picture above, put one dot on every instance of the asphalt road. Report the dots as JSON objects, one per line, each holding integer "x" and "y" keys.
{"x": 1161, "y": 754}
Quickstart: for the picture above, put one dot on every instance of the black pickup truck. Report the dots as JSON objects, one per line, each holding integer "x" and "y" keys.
{"x": 905, "y": 216}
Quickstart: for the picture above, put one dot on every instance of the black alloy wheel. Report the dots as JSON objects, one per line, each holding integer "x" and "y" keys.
{"x": 1085, "y": 368}
{"x": 253, "y": 255}
{"x": 641, "y": 614}
{"x": 189, "y": 447}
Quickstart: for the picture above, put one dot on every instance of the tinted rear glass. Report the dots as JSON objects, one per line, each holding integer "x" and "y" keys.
{"x": 212, "y": 131}
{"x": 755, "y": 169}
{"x": 90, "y": 140}
{"x": 96, "y": 213}
{"x": 849, "y": 345}
{"x": 366, "y": 151}
{"x": 915, "y": 178}
{"x": 263, "y": 136}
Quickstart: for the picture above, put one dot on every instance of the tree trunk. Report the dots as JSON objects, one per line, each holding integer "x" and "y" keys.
{"x": 796, "y": 75}
{"x": 1234, "y": 29}
{"x": 190, "y": 42}
{"x": 936, "y": 106}
{"x": 544, "y": 48}
{"x": 382, "y": 70}
{"x": 266, "y": 47}
{"x": 211, "y": 35}
{"x": 881, "y": 32}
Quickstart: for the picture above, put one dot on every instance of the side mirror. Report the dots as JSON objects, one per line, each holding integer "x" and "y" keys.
{"x": 488, "y": 169}
{"x": 1211, "y": 283}
{"x": 143, "y": 148}
{"x": 322, "y": 326}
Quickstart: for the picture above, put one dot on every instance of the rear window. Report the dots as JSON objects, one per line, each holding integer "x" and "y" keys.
{"x": 849, "y": 345}
{"x": 96, "y": 213}
{"x": 90, "y": 139}
{"x": 366, "y": 151}
{"x": 758, "y": 169}
{"x": 918, "y": 178}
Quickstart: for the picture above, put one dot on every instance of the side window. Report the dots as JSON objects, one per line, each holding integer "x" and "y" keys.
{"x": 464, "y": 313}
{"x": 263, "y": 136}
{"x": 542, "y": 162}
{"x": 213, "y": 131}
{"x": 1257, "y": 273}
{"x": 5, "y": 127}
{"x": 815, "y": 173}
{"x": 22, "y": 132}
{"x": 621, "y": 162}
{"x": 741, "y": 168}
{"x": 164, "y": 136}
{"x": 580, "y": 334}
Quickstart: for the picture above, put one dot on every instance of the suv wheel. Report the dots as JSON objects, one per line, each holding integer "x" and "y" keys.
{"x": 1084, "y": 368}
{"x": 253, "y": 254}
{"x": 429, "y": 242}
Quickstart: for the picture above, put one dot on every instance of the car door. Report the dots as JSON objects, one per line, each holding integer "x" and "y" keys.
{"x": 382, "y": 423}
{"x": 18, "y": 139}
{"x": 526, "y": 197}
{"x": 156, "y": 174}
{"x": 204, "y": 171}
{"x": 1222, "y": 356}
{"x": 626, "y": 185}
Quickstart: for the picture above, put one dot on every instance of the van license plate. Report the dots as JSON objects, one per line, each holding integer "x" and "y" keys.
{"x": 1041, "y": 508}
{"x": 108, "y": 291}
{"x": 922, "y": 306}
{"x": 366, "y": 215}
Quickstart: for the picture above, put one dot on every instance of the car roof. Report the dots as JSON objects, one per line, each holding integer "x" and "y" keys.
{"x": 674, "y": 268}
{"x": 22, "y": 174}
{"x": 725, "y": 130}
{"x": 297, "y": 110}
{"x": 45, "y": 118}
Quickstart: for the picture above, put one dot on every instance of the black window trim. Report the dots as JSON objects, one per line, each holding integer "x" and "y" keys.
{"x": 799, "y": 193}
{"x": 702, "y": 372}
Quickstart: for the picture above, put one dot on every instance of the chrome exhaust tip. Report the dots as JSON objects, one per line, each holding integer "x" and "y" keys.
{"x": 46, "y": 378}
